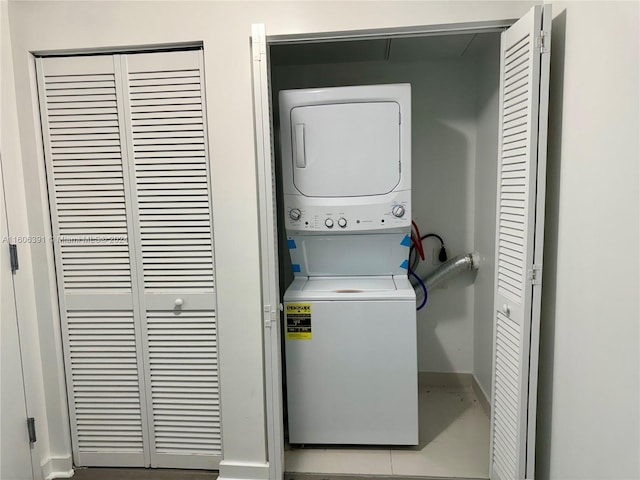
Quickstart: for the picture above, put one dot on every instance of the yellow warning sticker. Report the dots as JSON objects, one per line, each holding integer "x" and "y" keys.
{"x": 298, "y": 320}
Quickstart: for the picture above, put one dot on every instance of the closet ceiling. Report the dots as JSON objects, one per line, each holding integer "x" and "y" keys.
{"x": 407, "y": 49}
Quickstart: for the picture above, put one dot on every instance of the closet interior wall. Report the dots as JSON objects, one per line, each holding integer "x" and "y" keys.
{"x": 454, "y": 145}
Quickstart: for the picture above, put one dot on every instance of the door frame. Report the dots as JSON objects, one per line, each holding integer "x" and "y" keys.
{"x": 34, "y": 464}
{"x": 268, "y": 225}
{"x": 538, "y": 241}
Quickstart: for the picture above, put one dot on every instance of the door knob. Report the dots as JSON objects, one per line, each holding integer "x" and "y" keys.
{"x": 178, "y": 302}
{"x": 506, "y": 309}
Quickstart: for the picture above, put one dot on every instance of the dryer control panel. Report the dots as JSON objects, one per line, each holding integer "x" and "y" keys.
{"x": 333, "y": 216}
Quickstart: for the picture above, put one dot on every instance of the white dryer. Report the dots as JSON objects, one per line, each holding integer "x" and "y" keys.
{"x": 346, "y": 159}
{"x": 351, "y": 359}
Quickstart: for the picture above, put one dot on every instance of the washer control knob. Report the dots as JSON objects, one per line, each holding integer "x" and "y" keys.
{"x": 342, "y": 222}
{"x": 398, "y": 211}
{"x": 329, "y": 223}
{"x": 295, "y": 214}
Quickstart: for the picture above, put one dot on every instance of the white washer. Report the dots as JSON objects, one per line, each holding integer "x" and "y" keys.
{"x": 351, "y": 361}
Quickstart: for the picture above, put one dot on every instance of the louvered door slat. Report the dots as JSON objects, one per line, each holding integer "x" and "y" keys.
{"x": 518, "y": 209}
{"x": 507, "y": 425}
{"x": 172, "y": 200}
{"x": 184, "y": 168}
{"x": 128, "y": 178}
{"x": 191, "y": 401}
{"x": 87, "y": 180}
{"x": 103, "y": 413}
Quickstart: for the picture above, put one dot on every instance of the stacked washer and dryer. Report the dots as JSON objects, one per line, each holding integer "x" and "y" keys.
{"x": 350, "y": 313}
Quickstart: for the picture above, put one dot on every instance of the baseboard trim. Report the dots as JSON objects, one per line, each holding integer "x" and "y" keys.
{"x": 230, "y": 470}
{"x": 57, "y": 467}
{"x": 481, "y": 396}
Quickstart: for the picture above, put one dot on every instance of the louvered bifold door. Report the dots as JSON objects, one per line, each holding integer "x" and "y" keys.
{"x": 170, "y": 171}
{"x": 520, "y": 212}
{"x": 87, "y": 182}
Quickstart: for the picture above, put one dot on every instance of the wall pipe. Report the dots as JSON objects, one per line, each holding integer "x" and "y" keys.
{"x": 447, "y": 270}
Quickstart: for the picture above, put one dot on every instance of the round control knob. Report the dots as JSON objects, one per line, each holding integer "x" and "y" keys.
{"x": 295, "y": 214}
{"x": 342, "y": 222}
{"x": 329, "y": 223}
{"x": 397, "y": 211}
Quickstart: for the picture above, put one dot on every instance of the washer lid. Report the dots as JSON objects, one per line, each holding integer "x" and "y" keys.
{"x": 346, "y": 149}
{"x": 363, "y": 288}
{"x": 349, "y": 284}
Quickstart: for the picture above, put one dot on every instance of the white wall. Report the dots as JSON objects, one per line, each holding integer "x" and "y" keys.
{"x": 224, "y": 27}
{"x": 443, "y": 157}
{"x": 589, "y": 402}
{"x": 45, "y": 393}
{"x": 443, "y": 191}
{"x": 485, "y": 211}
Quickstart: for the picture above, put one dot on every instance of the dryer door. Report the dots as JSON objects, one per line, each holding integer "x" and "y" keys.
{"x": 346, "y": 150}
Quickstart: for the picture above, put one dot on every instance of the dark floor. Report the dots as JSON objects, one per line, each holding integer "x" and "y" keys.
{"x": 142, "y": 474}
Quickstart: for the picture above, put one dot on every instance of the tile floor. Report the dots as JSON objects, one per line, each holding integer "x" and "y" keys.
{"x": 454, "y": 442}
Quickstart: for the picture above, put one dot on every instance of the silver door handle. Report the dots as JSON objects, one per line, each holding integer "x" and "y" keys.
{"x": 301, "y": 161}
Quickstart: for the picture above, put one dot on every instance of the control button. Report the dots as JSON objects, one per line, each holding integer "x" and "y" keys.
{"x": 295, "y": 214}
{"x": 342, "y": 222}
{"x": 329, "y": 223}
{"x": 398, "y": 211}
